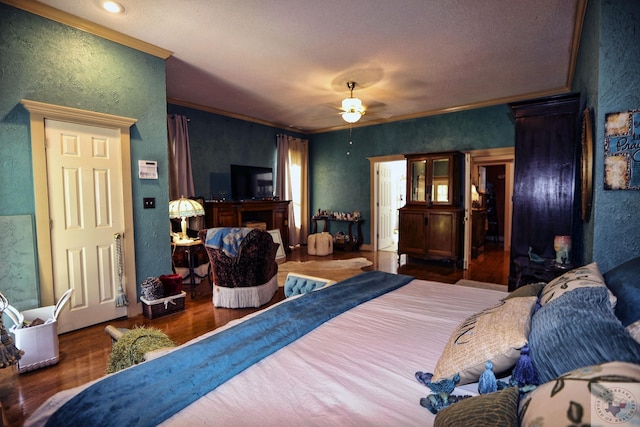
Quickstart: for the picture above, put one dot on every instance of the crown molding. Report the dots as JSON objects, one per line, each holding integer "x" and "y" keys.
{"x": 220, "y": 112}
{"x": 65, "y": 18}
{"x": 581, "y": 10}
{"x": 454, "y": 109}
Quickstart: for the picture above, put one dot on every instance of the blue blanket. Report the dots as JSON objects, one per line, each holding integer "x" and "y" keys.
{"x": 226, "y": 238}
{"x": 149, "y": 393}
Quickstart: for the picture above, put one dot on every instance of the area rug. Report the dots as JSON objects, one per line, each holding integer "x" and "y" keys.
{"x": 483, "y": 285}
{"x": 337, "y": 270}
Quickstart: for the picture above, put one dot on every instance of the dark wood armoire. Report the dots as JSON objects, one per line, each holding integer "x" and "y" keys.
{"x": 431, "y": 224}
{"x": 546, "y": 200}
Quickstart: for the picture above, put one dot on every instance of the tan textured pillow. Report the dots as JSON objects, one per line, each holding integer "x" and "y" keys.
{"x": 581, "y": 277}
{"x": 496, "y": 334}
{"x": 486, "y": 410}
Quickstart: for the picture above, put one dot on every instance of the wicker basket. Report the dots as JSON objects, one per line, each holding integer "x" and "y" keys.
{"x": 163, "y": 306}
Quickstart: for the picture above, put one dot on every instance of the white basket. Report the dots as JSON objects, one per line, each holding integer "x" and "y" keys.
{"x": 39, "y": 343}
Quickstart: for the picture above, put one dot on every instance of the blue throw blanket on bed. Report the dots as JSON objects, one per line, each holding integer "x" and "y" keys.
{"x": 149, "y": 393}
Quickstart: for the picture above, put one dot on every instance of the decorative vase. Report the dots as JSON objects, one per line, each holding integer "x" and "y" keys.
{"x": 562, "y": 246}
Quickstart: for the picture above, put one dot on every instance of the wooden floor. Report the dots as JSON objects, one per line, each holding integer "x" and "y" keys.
{"x": 84, "y": 353}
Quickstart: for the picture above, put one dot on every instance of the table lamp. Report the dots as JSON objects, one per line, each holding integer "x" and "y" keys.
{"x": 184, "y": 208}
{"x": 562, "y": 246}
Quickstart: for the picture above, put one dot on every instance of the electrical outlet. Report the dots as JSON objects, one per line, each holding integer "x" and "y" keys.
{"x": 149, "y": 202}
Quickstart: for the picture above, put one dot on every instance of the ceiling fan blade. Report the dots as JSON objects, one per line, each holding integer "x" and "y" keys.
{"x": 375, "y": 106}
{"x": 379, "y": 115}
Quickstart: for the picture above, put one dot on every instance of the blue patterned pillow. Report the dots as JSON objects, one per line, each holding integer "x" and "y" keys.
{"x": 579, "y": 329}
{"x": 582, "y": 277}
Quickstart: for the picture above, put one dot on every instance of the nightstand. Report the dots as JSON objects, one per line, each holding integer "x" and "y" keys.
{"x": 190, "y": 254}
{"x": 528, "y": 271}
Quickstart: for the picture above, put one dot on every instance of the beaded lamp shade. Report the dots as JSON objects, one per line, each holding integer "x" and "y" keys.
{"x": 184, "y": 208}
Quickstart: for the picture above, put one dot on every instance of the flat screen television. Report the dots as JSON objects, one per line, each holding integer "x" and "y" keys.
{"x": 251, "y": 182}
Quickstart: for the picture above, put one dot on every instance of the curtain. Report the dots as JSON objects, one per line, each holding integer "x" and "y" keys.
{"x": 180, "y": 171}
{"x": 292, "y": 183}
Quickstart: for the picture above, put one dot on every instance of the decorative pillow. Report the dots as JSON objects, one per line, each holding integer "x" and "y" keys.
{"x": 604, "y": 394}
{"x": 624, "y": 282}
{"x": 581, "y": 277}
{"x": 532, "y": 290}
{"x": 496, "y": 334}
{"x": 579, "y": 329}
{"x": 152, "y": 289}
{"x": 486, "y": 410}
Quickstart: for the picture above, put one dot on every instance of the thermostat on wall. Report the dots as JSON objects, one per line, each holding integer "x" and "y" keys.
{"x": 147, "y": 169}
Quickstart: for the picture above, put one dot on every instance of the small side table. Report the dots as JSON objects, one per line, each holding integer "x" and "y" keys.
{"x": 528, "y": 271}
{"x": 351, "y": 243}
{"x": 190, "y": 248}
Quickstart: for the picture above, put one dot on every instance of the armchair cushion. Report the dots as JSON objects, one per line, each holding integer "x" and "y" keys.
{"x": 255, "y": 261}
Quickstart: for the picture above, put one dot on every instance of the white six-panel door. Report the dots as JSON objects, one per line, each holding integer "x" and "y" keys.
{"x": 385, "y": 206}
{"x": 86, "y": 211}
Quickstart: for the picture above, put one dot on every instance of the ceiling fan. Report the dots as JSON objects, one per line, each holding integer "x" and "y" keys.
{"x": 352, "y": 108}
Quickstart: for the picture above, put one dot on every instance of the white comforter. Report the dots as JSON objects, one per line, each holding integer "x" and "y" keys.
{"x": 355, "y": 370}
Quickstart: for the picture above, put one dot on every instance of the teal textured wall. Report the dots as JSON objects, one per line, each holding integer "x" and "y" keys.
{"x": 45, "y": 61}
{"x": 616, "y": 221}
{"x": 340, "y": 182}
{"x": 586, "y": 83}
{"x": 218, "y": 141}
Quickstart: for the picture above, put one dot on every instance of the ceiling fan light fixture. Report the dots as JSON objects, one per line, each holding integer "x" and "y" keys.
{"x": 352, "y": 104}
{"x": 351, "y": 116}
{"x": 352, "y": 107}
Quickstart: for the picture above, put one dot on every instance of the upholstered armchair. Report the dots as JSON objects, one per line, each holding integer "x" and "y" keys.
{"x": 243, "y": 266}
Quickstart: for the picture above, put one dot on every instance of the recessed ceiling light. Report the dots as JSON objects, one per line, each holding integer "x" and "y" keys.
{"x": 113, "y": 7}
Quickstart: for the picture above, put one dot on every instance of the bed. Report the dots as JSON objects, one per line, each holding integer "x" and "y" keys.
{"x": 360, "y": 367}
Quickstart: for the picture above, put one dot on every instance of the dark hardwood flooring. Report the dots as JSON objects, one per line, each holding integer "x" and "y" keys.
{"x": 84, "y": 353}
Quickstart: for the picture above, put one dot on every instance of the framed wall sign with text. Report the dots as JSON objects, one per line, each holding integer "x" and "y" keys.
{"x": 622, "y": 151}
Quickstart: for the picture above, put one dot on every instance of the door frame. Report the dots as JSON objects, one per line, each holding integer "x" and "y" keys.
{"x": 373, "y": 199}
{"x": 490, "y": 157}
{"x": 39, "y": 111}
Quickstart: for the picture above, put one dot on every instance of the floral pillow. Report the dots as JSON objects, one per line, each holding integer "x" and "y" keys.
{"x": 581, "y": 277}
{"x": 605, "y": 394}
{"x": 495, "y": 334}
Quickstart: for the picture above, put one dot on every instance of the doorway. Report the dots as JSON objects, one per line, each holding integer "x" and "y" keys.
{"x": 492, "y": 171}
{"x": 392, "y": 189}
{"x": 388, "y": 193}
{"x": 495, "y": 203}
{"x": 104, "y": 133}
